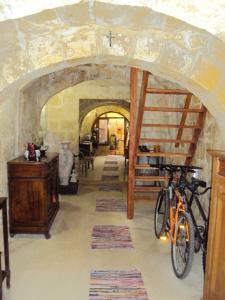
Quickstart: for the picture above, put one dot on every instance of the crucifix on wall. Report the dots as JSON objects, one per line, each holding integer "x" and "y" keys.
{"x": 110, "y": 37}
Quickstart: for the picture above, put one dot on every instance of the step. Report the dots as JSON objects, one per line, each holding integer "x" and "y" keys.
{"x": 143, "y": 188}
{"x": 144, "y": 167}
{"x": 164, "y": 154}
{"x": 171, "y": 126}
{"x": 166, "y": 140}
{"x": 167, "y": 91}
{"x": 173, "y": 109}
{"x": 151, "y": 178}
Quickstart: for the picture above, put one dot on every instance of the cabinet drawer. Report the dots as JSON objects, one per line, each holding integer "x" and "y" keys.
{"x": 28, "y": 169}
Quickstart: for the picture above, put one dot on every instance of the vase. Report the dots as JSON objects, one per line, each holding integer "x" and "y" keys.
{"x": 65, "y": 162}
{"x": 31, "y": 150}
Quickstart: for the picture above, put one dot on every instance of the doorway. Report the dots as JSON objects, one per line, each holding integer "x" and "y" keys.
{"x": 111, "y": 130}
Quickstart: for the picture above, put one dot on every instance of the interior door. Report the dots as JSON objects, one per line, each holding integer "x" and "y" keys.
{"x": 103, "y": 132}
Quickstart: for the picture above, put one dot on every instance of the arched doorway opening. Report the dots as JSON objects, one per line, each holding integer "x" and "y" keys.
{"x": 110, "y": 131}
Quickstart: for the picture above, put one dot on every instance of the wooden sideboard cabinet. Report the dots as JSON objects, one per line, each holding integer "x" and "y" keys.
{"x": 214, "y": 285}
{"x": 33, "y": 194}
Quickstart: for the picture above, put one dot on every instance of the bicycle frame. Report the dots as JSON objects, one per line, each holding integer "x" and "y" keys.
{"x": 172, "y": 219}
{"x": 173, "y": 216}
{"x": 194, "y": 197}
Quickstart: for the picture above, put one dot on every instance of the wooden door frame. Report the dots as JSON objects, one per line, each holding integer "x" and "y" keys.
{"x": 99, "y": 117}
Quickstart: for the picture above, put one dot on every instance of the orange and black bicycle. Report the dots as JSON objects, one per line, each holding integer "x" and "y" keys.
{"x": 172, "y": 219}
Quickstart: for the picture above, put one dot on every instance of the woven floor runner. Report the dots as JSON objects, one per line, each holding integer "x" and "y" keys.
{"x": 111, "y": 157}
{"x": 110, "y": 177}
{"x": 110, "y": 237}
{"x": 110, "y": 187}
{"x": 110, "y": 169}
{"x": 111, "y": 205}
{"x": 117, "y": 285}
{"x": 111, "y": 162}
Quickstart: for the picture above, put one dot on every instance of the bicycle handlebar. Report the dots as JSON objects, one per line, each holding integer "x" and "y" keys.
{"x": 194, "y": 188}
{"x": 206, "y": 190}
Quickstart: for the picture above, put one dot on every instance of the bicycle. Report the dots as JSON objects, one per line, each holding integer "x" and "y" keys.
{"x": 173, "y": 219}
{"x": 201, "y": 231}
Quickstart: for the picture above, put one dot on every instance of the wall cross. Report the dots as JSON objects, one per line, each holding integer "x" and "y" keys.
{"x": 110, "y": 37}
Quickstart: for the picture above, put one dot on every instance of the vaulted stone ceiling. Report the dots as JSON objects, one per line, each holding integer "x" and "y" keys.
{"x": 208, "y": 14}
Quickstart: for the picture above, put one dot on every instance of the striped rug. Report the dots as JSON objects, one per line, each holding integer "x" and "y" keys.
{"x": 117, "y": 285}
{"x": 110, "y": 177}
{"x": 111, "y": 205}
{"x": 110, "y": 237}
{"x": 110, "y": 187}
{"x": 112, "y": 157}
{"x": 111, "y": 162}
{"x": 110, "y": 169}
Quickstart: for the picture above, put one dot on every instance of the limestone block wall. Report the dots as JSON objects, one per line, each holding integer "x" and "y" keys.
{"x": 59, "y": 119}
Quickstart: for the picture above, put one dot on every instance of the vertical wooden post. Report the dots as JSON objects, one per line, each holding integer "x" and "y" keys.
{"x": 131, "y": 168}
{"x": 141, "y": 107}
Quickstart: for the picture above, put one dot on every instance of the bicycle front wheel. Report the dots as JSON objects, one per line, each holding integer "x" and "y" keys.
{"x": 182, "y": 251}
{"x": 161, "y": 213}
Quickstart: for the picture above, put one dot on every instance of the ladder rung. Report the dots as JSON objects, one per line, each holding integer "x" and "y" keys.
{"x": 144, "y": 166}
{"x": 167, "y": 91}
{"x": 151, "y": 178}
{"x": 171, "y": 126}
{"x": 166, "y": 140}
{"x": 164, "y": 154}
{"x": 171, "y": 109}
{"x": 143, "y": 188}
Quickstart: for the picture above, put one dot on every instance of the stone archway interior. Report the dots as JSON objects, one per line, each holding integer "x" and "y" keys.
{"x": 166, "y": 39}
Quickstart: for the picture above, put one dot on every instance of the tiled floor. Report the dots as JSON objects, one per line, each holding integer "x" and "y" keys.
{"x": 59, "y": 268}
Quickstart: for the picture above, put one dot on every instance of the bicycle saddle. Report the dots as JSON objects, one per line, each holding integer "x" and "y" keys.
{"x": 198, "y": 182}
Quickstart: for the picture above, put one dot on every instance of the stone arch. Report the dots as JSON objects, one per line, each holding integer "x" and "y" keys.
{"x": 65, "y": 104}
{"x": 67, "y": 37}
{"x": 107, "y": 102}
{"x": 155, "y": 42}
{"x": 104, "y": 109}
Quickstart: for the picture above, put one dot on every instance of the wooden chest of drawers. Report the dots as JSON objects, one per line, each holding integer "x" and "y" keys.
{"x": 33, "y": 194}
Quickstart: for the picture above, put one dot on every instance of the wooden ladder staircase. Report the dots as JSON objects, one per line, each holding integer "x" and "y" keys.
{"x": 137, "y": 111}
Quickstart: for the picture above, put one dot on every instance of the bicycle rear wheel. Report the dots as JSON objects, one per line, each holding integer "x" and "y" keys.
{"x": 161, "y": 213}
{"x": 182, "y": 252}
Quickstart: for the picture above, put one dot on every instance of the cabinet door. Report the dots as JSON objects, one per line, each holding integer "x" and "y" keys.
{"x": 51, "y": 196}
{"x": 26, "y": 202}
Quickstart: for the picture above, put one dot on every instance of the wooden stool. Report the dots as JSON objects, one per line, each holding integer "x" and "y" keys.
{"x": 4, "y": 273}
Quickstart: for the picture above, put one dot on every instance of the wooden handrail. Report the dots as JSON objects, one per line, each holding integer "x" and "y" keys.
{"x": 132, "y": 145}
